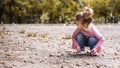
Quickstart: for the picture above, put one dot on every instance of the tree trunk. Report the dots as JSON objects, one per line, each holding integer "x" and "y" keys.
{"x": 50, "y": 18}
{"x": 10, "y": 17}
{"x": 1, "y": 13}
{"x": 63, "y": 18}
{"x": 19, "y": 19}
{"x": 105, "y": 19}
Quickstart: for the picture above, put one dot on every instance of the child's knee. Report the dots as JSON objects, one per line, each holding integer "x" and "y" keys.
{"x": 80, "y": 36}
{"x": 93, "y": 39}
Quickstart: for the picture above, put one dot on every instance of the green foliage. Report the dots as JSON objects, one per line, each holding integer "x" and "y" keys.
{"x": 103, "y": 8}
{"x": 44, "y": 35}
{"x": 32, "y": 34}
{"x": 2, "y": 31}
{"x": 41, "y": 11}
{"x": 116, "y": 10}
{"x": 53, "y": 11}
{"x": 22, "y": 31}
{"x": 67, "y": 36}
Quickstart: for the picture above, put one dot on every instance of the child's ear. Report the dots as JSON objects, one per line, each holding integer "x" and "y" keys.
{"x": 86, "y": 25}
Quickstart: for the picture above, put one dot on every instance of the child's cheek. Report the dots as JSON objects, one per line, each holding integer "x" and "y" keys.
{"x": 79, "y": 26}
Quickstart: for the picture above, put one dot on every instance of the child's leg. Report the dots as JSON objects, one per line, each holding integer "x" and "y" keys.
{"x": 81, "y": 40}
{"x": 92, "y": 41}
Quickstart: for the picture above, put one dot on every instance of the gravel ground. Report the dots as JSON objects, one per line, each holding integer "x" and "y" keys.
{"x": 47, "y": 46}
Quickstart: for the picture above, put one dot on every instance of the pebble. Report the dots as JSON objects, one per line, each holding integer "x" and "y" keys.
{"x": 98, "y": 65}
{"x": 61, "y": 47}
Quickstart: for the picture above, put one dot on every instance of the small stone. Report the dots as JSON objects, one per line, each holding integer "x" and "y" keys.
{"x": 105, "y": 65}
{"x": 36, "y": 54}
{"x": 117, "y": 57}
{"x": 118, "y": 50}
{"x": 66, "y": 61}
{"x": 13, "y": 65}
{"x": 87, "y": 63}
{"x": 7, "y": 54}
{"x": 46, "y": 57}
{"x": 103, "y": 55}
{"x": 51, "y": 55}
{"x": 8, "y": 66}
{"x": 24, "y": 61}
{"x": 32, "y": 62}
{"x": 58, "y": 55}
{"x": 77, "y": 64}
{"x": 1, "y": 62}
{"x": 62, "y": 54}
{"x": 41, "y": 61}
{"x": 62, "y": 66}
{"x": 98, "y": 65}
{"x": 115, "y": 53}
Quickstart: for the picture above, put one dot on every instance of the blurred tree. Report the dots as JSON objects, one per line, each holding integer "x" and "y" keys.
{"x": 53, "y": 11}
{"x": 116, "y": 6}
{"x": 68, "y": 10}
{"x": 11, "y": 10}
{"x": 1, "y": 9}
{"x": 51, "y": 7}
{"x": 101, "y": 8}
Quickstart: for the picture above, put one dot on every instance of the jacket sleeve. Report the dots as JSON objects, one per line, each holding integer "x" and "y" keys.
{"x": 74, "y": 41}
{"x": 99, "y": 36}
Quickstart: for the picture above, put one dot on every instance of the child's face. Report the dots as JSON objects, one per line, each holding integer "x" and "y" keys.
{"x": 80, "y": 25}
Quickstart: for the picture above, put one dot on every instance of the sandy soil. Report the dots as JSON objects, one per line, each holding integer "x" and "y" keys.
{"x": 47, "y": 46}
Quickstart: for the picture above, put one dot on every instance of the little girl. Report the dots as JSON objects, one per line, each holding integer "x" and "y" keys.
{"x": 86, "y": 35}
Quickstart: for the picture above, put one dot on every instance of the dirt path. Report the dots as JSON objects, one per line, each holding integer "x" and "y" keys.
{"x": 43, "y": 46}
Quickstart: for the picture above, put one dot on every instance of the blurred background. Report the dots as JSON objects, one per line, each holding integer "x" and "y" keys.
{"x": 56, "y": 11}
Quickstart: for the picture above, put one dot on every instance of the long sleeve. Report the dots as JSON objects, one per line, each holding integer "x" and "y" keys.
{"x": 74, "y": 41}
{"x": 99, "y": 36}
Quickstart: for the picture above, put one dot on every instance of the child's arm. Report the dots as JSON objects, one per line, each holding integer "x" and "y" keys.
{"x": 99, "y": 46}
{"x": 78, "y": 48}
{"x": 74, "y": 41}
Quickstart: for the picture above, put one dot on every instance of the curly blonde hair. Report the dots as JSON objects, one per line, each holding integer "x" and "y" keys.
{"x": 85, "y": 15}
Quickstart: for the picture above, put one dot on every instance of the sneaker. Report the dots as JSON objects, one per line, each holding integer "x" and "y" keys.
{"x": 81, "y": 52}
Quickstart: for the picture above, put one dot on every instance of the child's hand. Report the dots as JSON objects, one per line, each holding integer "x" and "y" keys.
{"x": 94, "y": 50}
{"x": 78, "y": 48}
